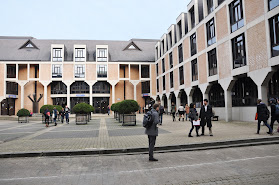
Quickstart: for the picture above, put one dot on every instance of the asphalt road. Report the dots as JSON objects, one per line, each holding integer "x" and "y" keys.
{"x": 246, "y": 165}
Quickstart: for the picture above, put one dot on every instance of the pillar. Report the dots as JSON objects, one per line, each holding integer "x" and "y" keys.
{"x": 68, "y": 96}
{"x": 90, "y": 95}
{"x": 262, "y": 93}
{"x": 177, "y": 100}
{"x": 189, "y": 93}
{"x": 113, "y": 93}
{"x": 22, "y": 84}
{"x": 45, "y": 94}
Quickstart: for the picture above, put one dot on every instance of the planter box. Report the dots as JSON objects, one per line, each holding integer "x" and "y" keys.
{"x": 128, "y": 119}
{"x": 88, "y": 117}
{"x": 43, "y": 119}
{"x": 81, "y": 119}
{"x": 23, "y": 119}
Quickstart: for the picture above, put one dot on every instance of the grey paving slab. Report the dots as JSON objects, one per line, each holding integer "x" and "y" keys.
{"x": 73, "y": 134}
{"x": 131, "y": 132}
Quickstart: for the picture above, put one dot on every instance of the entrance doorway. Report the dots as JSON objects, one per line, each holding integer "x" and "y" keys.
{"x": 60, "y": 101}
{"x": 8, "y": 107}
{"x": 100, "y": 104}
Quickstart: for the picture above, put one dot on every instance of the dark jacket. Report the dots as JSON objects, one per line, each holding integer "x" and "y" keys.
{"x": 273, "y": 109}
{"x": 193, "y": 114}
{"x": 263, "y": 112}
{"x": 45, "y": 113}
{"x": 161, "y": 110}
{"x": 62, "y": 113}
{"x": 153, "y": 129}
{"x": 208, "y": 114}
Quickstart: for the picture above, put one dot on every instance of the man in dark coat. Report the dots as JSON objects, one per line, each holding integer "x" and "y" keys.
{"x": 205, "y": 115}
{"x": 263, "y": 115}
{"x": 274, "y": 111}
{"x": 152, "y": 131}
{"x": 161, "y": 112}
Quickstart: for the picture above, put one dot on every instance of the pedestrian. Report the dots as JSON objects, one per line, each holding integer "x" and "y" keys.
{"x": 47, "y": 114}
{"x": 173, "y": 111}
{"x": 67, "y": 112}
{"x": 161, "y": 112}
{"x": 193, "y": 116}
{"x": 206, "y": 115}
{"x": 62, "y": 114}
{"x": 274, "y": 111}
{"x": 143, "y": 110}
{"x": 152, "y": 131}
{"x": 187, "y": 110}
{"x": 263, "y": 115}
{"x": 181, "y": 112}
{"x": 108, "y": 110}
{"x": 54, "y": 115}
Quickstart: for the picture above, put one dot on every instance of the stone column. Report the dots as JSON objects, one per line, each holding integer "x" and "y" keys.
{"x": 45, "y": 84}
{"x": 22, "y": 84}
{"x": 91, "y": 83}
{"x": 68, "y": 84}
{"x": 205, "y": 90}
{"x": 189, "y": 93}
{"x": 177, "y": 99}
{"x": 113, "y": 84}
{"x": 135, "y": 83}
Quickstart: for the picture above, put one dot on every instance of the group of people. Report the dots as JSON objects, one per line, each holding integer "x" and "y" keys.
{"x": 64, "y": 113}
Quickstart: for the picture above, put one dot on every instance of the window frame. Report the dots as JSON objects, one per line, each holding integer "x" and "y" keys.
{"x": 79, "y": 71}
{"x": 236, "y": 51}
{"x": 102, "y": 73}
{"x": 274, "y": 33}
{"x": 181, "y": 75}
{"x": 212, "y": 62}
{"x": 194, "y": 69}
{"x": 269, "y": 7}
{"x": 210, "y": 32}
{"x": 171, "y": 60}
{"x": 57, "y": 55}
{"x": 236, "y": 22}
{"x": 192, "y": 17}
{"x": 180, "y": 53}
{"x": 102, "y": 55}
{"x": 171, "y": 80}
{"x": 164, "y": 82}
{"x": 210, "y": 9}
{"x": 56, "y": 71}
{"x": 80, "y": 54}
{"x": 193, "y": 44}
{"x": 163, "y": 66}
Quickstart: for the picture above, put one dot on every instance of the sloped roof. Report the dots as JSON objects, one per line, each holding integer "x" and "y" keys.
{"x": 9, "y": 49}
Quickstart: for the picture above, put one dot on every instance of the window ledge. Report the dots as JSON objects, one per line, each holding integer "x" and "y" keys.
{"x": 213, "y": 78}
{"x": 240, "y": 70}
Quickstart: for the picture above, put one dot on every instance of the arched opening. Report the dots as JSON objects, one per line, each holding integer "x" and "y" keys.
{"x": 244, "y": 93}
{"x": 101, "y": 88}
{"x": 81, "y": 89}
{"x": 100, "y": 103}
{"x": 172, "y": 98}
{"x": 58, "y": 87}
{"x": 273, "y": 86}
{"x": 183, "y": 97}
{"x": 216, "y": 96}
{"x": 158, "y": 98}
{"x": 165, "y": 100}
{"x": 197, "y": 97}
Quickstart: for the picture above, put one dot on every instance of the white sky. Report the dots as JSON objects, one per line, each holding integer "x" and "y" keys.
{"x": 89, "y": 19}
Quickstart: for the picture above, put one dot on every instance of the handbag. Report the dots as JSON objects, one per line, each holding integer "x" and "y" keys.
{"x": 256, "y": 116}
{"x": 196, "y": 123}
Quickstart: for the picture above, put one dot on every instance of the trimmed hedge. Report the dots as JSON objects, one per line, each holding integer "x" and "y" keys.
{"x": 44, "y": 107}
{"x": 128, "y": 107}
{"x": 23, "y": 112}
{"x": 83, "y": 108}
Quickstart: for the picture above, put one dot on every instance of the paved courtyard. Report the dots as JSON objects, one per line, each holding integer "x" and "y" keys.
{"x": 104, "y": 132}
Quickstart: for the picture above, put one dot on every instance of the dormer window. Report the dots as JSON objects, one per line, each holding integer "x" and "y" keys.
{"x": 57, "y": 55}
{"x": 29, "y": 45}
{"x": 79, "y": 54}
{"x": 102, "y": 55}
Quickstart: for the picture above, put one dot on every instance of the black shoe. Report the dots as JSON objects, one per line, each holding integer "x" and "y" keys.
{"x": 190, "y": 135}
{"x": 268, "y": 132}
{"x": 202, "y": 134}
{"x": 55, "y": 124}
{"x": 198, "y": 135}
{"x": 211, "y": 134}
{"x": 178, "y": 119}
{"x": 153, "y": 159}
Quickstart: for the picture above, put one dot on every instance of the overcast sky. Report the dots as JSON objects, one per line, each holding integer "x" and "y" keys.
{"x": 89, "y": 19}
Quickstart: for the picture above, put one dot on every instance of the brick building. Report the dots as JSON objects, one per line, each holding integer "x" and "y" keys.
{"x": 224, "y": 50}
{"x": 66, "y": 72}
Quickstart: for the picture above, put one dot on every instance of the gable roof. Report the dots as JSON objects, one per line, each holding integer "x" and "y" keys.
{"x": 132, "y": 46}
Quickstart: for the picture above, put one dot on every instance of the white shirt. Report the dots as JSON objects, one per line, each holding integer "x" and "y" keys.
{"x": 205, "y": 108}
{"x": 180, "y": 108}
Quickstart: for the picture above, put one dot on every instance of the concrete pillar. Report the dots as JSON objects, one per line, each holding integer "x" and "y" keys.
{"x": 205, "y": 90}
{"x": 113, "y": 84}
{"x": 45, "y": 84}
{"x": 262, "y": 93}
{"x": 135, "y": 83}
{"x": 90, "y": 95}
{"x": 68, "y": 96}
{"x": 177, "y": 99}
{"x": 22, "y": 84}
{"x": 189, "y": 93}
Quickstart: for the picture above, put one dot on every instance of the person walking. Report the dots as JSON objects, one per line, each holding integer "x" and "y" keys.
{"x": 54, "y": 115}
{"x": 193, "y": 116}
{"x": 263, "y": 115}
{"x": 173, "y": 111}
{"x": 274, "y": 111}
{"x": 187, "y": 110}
{"x": 181, "y": 112}
{"x": 67, "y": 112}
{"x": 108, "y": 110}
{"x": 62, "y": 114}
{"x": 161, "y": 112}
{"x": 47, "y": 114}
{"x": 152, "y": 131}
{"x": 205, "y": 115}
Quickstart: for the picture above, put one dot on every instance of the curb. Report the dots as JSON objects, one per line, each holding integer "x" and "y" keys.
{"x": 160, "y": 149}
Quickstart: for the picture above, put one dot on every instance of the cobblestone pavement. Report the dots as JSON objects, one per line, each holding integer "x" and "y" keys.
{"x": 257, "y": 165}
{"x": 104, "y": 132}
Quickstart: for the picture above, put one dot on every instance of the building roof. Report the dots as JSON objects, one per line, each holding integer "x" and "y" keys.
{"x": 12, "y": 49}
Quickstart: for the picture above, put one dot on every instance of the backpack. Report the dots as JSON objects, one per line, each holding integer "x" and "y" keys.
{"x": 147, "y": 120}
{"x": 277, "y": 109}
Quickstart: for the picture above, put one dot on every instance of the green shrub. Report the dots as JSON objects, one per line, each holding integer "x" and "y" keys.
{"x": 128, "y": 107}
{"x": 23, "y": 112}
{"x": 112, "y": 107}
{"x": 44, "y": 107}
{"x": 116, "y": 107}
{"x": 58, "y": 107}
{"x": 83, "y": 108}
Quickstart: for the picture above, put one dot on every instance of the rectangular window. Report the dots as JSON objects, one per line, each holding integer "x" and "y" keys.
{"x": 211, "y": 39}
{"x": 164, "y": 83}
{"x": 11, "y": 71}
{"x": 181, "y": 75}
{"x": 171, "y": 60}
{"x": 102, "y": 71}
{"x": 102, "y": 55}
{"x": 192, "y": 15}
{"x": 274, "y": 35}
{"x": 170, "y": 39}
{"x": 157, "y": 69}
{"x": 157, "y": 54}
{"x": 163, "y": 46}
{"x": 200, "y": 10}
{"x": 210, "y": 7}
{"x": 272, "y": 4}
{"x": 145, "y": 71}
{"x": 193, "y": 44}
{"x": 236, "y": 15}
{"x": 145, "y": 87}
{"x": 238, "y": 49}
{"x": 79, "y": 71}
{"x": 158, "y": 85}
{"x": 212, "y": 62}
{"x": 180, "y": 53}
{"x": 79, "y": 54}
{"x": 57, "y": 55}
{"x": 194, "y": 64}
{"x": 56, "y": 71}
{"x": 12, "y": 88}
{"x": 163, "y": 65}
{"x": 220, "y": 1}
{"x": 171, "y": 79}
{"x": 179, "y": 30}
